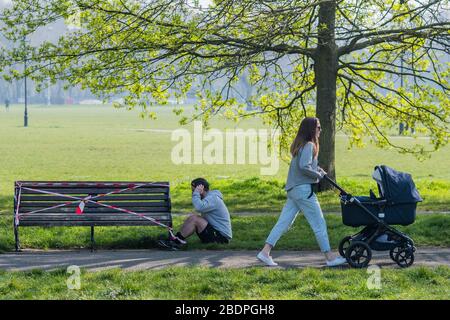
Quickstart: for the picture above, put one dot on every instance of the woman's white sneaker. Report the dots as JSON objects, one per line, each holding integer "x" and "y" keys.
{"x": 336, "y": 262}
{"x": 266, "y": 259}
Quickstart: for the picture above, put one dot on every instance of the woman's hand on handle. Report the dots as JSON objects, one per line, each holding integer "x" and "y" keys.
{"x": 321, "y": 172}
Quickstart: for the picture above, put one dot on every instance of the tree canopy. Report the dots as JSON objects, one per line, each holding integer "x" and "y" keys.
{"x": 388, "y": 59}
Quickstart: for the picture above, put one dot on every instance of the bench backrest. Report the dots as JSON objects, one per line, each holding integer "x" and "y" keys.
{"x": 146, "y": 199}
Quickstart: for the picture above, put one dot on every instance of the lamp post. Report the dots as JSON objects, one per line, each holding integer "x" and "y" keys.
{"x": 25, "y": 116}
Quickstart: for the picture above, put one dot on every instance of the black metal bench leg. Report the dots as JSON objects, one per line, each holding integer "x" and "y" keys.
{"x": 16, "y": 236}
{"x": 92, "y": 239}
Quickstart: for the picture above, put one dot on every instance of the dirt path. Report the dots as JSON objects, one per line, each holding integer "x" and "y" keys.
{"x": 156, "y": 259}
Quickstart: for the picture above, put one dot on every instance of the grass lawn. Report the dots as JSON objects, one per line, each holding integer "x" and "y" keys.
{"x": 103, "y": 143}
{"x": 210, "y": 283}
{"x": 92, "y": 142}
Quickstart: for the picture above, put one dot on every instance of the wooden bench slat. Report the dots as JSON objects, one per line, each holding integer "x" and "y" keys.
{"x": 89, "y": 183}
{"x": 91, "y": 223}
{"x": 26, "y": 204}
{"x": 94, "y": 218}
{"x": 86, "y": 191}
{"x": 43, "y": 214}
{"x": 95, "y": 210}
{"x": 114, "y": 197}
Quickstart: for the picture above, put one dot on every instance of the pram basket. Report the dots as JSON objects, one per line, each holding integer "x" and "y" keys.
{"x": 354, "y": 215}
{"x": 396, "y": 204}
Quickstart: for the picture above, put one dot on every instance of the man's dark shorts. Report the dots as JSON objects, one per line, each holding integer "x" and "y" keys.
{"x": 210, "y": 235}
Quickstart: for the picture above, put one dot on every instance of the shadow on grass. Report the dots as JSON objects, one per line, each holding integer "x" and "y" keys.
{"x": 6, "y": 221}
{"x": 249, "y": 233}
{"x": 259, "y": 195}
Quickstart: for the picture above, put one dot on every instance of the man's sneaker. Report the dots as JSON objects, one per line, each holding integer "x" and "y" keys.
{"x": 168, "y": 245}
{"x": 178, "y": 241}
{"x": 338, "y": 261}
{"x": 177, "y": 238}
{"x": 266, "y": 259}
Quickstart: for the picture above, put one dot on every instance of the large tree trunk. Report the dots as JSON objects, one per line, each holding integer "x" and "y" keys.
{"x": 325, "y": 68}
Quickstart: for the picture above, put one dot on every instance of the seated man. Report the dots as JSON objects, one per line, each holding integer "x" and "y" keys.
{"x": 213, "y": 225}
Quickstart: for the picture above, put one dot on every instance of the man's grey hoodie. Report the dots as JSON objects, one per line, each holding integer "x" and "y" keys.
{"x": 214, "y": 210}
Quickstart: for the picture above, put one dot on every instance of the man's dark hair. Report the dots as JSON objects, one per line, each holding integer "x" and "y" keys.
{"x": 200, "y": 181}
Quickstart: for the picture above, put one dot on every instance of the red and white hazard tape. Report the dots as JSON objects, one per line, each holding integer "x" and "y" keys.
{"x": 77, "y": 199}
{"x": 16, "y": 214}
{"x": 82, "y": 202}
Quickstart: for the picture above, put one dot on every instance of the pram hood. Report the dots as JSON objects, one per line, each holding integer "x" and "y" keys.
{"x": 398, "y": 187}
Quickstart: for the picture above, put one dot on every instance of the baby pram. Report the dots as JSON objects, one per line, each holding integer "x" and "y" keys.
{"x": 395, "y": 205}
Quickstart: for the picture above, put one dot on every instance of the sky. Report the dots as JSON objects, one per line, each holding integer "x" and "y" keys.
{"x": 205, "y": 3}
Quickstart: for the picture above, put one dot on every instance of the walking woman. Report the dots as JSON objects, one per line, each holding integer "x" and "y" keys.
{"x": 303, "y": 172}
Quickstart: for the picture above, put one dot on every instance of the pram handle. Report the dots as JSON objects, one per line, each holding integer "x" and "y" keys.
{"x": 334, "y": 184}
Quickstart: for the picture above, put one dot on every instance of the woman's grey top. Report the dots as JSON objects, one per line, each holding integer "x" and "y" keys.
{"x": 303, "y": 168}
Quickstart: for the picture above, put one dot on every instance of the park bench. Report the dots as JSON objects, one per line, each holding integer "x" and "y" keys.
{"x": 47, "y": 204}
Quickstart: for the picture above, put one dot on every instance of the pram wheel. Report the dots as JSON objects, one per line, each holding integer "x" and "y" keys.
{"x": 405, "y": 257}
{"x": 343, "y": 245}
{"x": 358, "y": 254}
{"x": 393, "y": 253}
